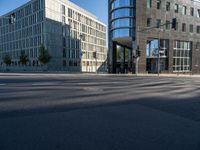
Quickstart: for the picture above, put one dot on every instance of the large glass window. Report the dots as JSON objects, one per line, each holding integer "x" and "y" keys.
{"x": 149, "y": 3}
{"x": 182, "y": 56}
{"x": 122, "y": 13}
{"x": 125, "y": 22}
{"x": 122, "y": 33}
{"x": 120, "y": 54}
{"x": 122, "y": 3}
{"x": 157, "y": 48}
{"x": 152, "y": 48}
{"x": 123, "y": 59}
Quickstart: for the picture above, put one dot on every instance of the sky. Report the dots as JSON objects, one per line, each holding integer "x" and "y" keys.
{"x": 97, "y": 7}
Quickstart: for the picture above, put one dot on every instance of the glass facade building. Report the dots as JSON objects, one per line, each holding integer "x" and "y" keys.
{"x": 121, "y": 33}
{"x": 74, "y": 37}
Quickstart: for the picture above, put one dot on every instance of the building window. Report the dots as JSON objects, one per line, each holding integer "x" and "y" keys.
{"x": 182, "y": 56}
{"x": 63, "y": 20}
{"x": 158, "y": 23}
{"x": 63, "y": 9}
{"x": 168, "y": 6}
{"x": 64, "y": 52}
{"x": 124, "y": 22}
{"x": 191, "y": 28}
{"x": 184, "y": 10}
{"x": 69, "y": 13}
{"x": 198, "y": 29}
{"x": 64, "y": 63}
{"x": 149, "y": 3}
{"x": 191, "y": 11}
{"x": 176, "y": 29}
{"x": 149, "y": 22}
{"x": 183, "y": 27}
{"x": 152, "y": 48}
{"x": 168, "y": 25}
{"x": 176, "y": 8}
{"x": 64, "y": 42}
{"x": 198, "y": 13}
{"x": 158, "y": 4}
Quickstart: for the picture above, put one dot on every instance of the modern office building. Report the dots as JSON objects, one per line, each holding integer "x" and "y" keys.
{"x": 74, "y": 37}
{"x": 163, "y": 49}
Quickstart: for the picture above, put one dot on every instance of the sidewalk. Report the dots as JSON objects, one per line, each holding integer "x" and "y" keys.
{"x": 154, "y": 75}
{"x": 170, "y": 75}
{"x": 99, "y": 74}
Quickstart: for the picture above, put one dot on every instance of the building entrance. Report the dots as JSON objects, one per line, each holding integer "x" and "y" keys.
{"x": 123, "y": 59}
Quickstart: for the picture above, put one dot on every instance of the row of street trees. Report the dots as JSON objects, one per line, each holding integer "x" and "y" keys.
{"x": 44, "y": 57}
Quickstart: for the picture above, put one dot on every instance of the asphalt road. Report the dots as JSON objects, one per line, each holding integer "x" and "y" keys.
{"x": 98, "y": 112}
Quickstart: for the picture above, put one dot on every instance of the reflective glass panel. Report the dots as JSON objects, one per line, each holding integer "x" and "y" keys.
{"x": 125, "y": 22}
{"x": 126, "y": 12}
{"x": 122, "y": 3}
{"x": 122, "y": 33}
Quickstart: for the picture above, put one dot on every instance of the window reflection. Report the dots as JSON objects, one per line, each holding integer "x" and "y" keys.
{"x": 122, "y": 33}
{"x": 125, "y": 22}
{"x": 122, "y": 3}
{"x": 152, "y": 48}
{"x": 123, "y": 59}
{"x": 126, "y": 12}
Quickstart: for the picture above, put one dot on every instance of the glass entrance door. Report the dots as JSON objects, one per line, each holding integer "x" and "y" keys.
{"x": 123, "y": 59}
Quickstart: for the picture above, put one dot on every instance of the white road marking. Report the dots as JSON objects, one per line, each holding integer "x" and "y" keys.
{"x": 97, "y": 83}
{"x": 43, "y": 84}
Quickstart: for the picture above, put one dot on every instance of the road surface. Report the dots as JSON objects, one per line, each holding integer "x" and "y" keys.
{"x": 98, "y": 112}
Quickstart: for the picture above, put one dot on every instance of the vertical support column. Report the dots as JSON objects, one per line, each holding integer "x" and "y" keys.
{"x": 170, "y": 61}
{"x": 114, "y": 62}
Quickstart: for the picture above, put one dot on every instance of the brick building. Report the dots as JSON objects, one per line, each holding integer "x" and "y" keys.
{"x": 162, "y": 48}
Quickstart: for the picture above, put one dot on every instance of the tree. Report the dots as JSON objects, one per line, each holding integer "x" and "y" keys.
{"x": 23, "y": 58}
{"x": 7, "y": 60}
{"x": 44, "y": 56}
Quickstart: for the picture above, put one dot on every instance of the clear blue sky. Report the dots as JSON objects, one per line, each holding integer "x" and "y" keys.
{"x": 97, "y": 7}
